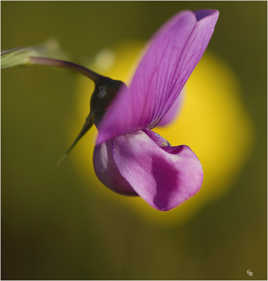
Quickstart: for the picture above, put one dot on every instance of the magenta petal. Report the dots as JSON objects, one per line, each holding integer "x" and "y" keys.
{"x": 168, "y": 62}
{"x": 163, "y": 176}
{"x": 107, "y": 171}
{"x": 173, "y": 111}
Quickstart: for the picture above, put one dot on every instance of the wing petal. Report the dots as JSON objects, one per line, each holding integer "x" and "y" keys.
{"x": 163, "y": 176}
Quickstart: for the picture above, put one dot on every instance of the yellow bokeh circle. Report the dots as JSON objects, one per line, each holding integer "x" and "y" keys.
{"x": 212, "y": 121}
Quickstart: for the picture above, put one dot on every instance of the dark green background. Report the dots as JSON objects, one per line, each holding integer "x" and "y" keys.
{"x": 52, "y": 228}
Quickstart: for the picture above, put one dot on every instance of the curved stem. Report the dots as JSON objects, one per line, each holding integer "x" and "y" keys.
{"x": 66, "y": 64}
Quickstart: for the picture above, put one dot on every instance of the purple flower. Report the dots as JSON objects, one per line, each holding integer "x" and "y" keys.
{"x": 129, "y": 157}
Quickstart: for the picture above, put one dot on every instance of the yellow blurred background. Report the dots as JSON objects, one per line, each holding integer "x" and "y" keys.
{"x": 212, "y": 121}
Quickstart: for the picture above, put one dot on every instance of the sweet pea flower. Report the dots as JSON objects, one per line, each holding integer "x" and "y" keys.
{"x": 129, "y": 157}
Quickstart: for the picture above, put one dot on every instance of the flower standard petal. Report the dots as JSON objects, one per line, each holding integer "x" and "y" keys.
{"x": 173, "y": 111}
{"x": 169, "y": 60}
{"x": 163, "y": 176}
